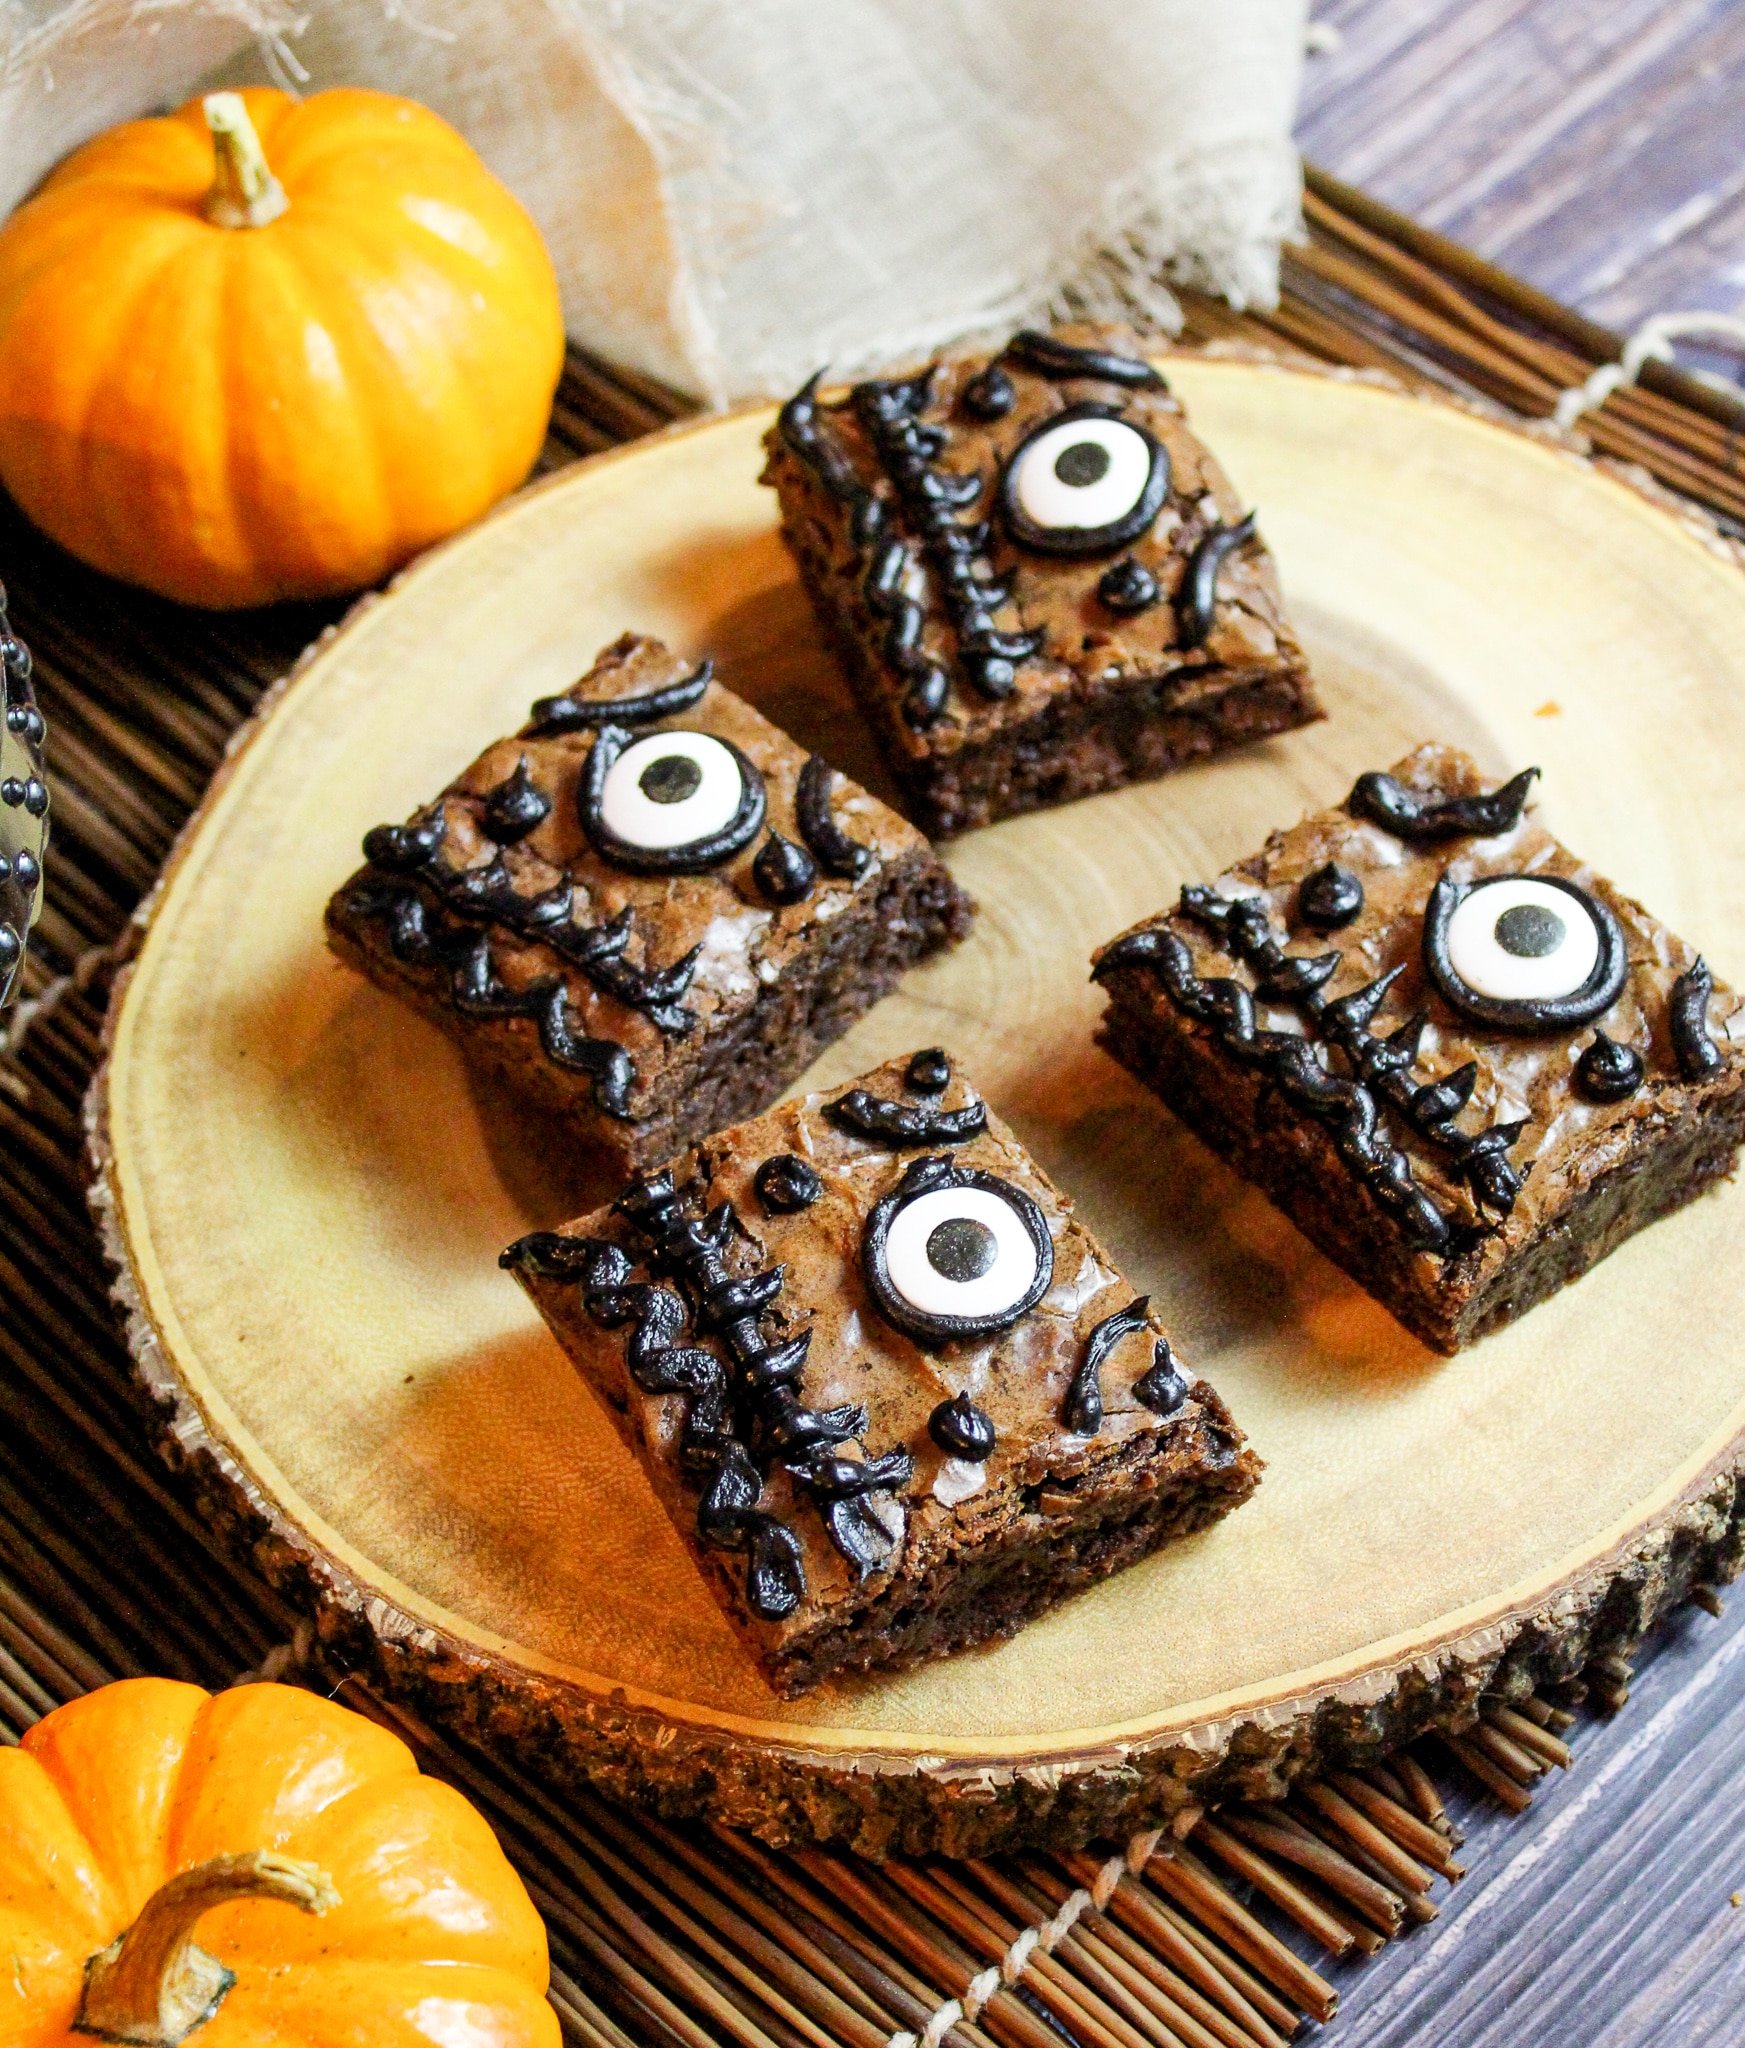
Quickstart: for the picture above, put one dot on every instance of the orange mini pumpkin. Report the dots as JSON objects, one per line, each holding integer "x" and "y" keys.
{"x": 151, "y": 1813}
{"x": 263, "y": 348}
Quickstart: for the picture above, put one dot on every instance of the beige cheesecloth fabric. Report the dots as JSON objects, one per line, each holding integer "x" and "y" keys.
{"x": 737, "y": 191}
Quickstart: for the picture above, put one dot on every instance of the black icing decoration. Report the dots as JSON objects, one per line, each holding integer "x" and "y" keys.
{"x": 786, "y": 1183}
{"x": 928, "y": 1072}
{"x": 885, "y": 562}
{"x": 515, "y": 806}
{"x": 962, "y": 1430}
{"x": 1051, "y": 358}
{"x": 1352, "y": 1108}
{"x": 24, "y": 803}
{"x": 421, "y": 935}
{"x": 1083, "y": 540}
{"x": 1420, "y": 815}
{"x": 1608, "y": 1071}
{"x": 1082, "y": 1410}
{"x": 922, "y": 1177}
{"x": 598, "y": 951}
{"x": 988, "y": 395}
{"x": 695, "y": 855}
{"x": 830, "y": 846}
{"x": 1698, "y": 1056}
{"x": 786, "y": 873}
{"x": 901, "y": 1124}
{"x": 1596, "y": 995}
{"x": 1162, "y": 1387}
{"x": 969, "y": 593}
{"x": 1197, "y": 600}
{"x": 743, "y": 1412}
{"x": 580, "y": 714}
{"x": 1128, "y": 587}
{"x": 1330, "y": 898}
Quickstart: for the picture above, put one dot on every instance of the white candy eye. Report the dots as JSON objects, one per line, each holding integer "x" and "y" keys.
{"x": 1084, "y": 482}
{"x": 1524, "y": 952}
{"x": 669, "y": 801}
{"x": 956, "y": 1254}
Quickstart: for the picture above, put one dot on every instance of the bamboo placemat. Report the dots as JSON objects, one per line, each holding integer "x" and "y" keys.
{"x": 662, "y": 1935}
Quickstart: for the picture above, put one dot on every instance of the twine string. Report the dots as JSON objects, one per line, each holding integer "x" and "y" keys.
{"x": 1045, "y": 1935}
{"x": 1653, "y": 342}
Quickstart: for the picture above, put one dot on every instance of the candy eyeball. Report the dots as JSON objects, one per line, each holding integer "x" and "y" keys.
{"x": 1084, "y": 482}
{"x": 669, "y": 801}
{"x": 1527, "y": 952}
{"x": 955, "y": 1253}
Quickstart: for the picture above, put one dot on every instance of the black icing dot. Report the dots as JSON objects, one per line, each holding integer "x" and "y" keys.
{"x": 1530, "y": 931}
{"x": 962, "y": 1430}
{"x": 1608, "y": 1071}
{"x": 1330, "y": 898}
{"x": 1082, "y": 463}
{"x": 989, "y": 394}
{"x": 928, "y": 1072}
{"x": 1128, "y": 587}
{"x": 670, "y": 779}
{"x": 961, "y": 1249}
{"x": 786, "y": 1183}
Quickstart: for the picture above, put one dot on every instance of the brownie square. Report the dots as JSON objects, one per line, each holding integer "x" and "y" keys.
{"x": 1042, "y": 584}
{"x": 1461, "y": 1061}
{"x": 885, "y": 1383}
{"x": 649, "y": 909}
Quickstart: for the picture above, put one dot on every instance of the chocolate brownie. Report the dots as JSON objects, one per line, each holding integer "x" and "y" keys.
{"x": 881, "y": 1377}
{"x": 649, "y": 909}
{"x": 1461, "y": 1061}
{"x": 1042, "y": 584}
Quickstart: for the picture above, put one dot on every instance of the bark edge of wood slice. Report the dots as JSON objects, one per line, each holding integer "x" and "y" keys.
{"x": 302, "y": 1194}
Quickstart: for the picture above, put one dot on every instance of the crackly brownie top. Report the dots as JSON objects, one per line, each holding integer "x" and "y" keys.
{"x": 1034, "y": 522}
{"x": 1480, "y": 1018}
{"x": 628, "y": 870}
{"x": 866, "y": 1306}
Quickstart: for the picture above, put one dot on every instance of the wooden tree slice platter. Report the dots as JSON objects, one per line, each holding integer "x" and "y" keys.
{"x": 306, "y": 1196}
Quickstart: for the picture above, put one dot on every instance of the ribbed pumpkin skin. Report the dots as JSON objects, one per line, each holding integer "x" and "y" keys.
{"x": 233, "y": 415}
{"x": 434, "y": 1941}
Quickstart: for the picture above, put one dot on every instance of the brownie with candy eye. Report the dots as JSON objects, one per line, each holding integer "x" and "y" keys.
{"x": 886, "y": 1384}
{"x": 648, "y": 910}
{"x": 1041, "y": 582}
{"x": 1463, "y": 1063}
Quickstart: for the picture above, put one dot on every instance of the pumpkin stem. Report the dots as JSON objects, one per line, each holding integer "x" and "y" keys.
{"x": 151, "y": 1987}
{"x": 244, "y": 193}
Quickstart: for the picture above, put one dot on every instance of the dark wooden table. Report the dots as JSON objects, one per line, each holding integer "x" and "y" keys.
{"x": 1598, "y": 152}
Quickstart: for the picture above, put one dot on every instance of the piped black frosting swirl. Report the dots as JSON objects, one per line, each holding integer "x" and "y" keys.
{"x": 413, "y": 853}
{"x": 1082, "y": 1410}
{"x": 1330, "y": 898}
{"x": 1197, "y": 602}
{"x": 744, "y": 1413}
{"x": 1350, "y": 1107}
{"x": 901, "y": 1124}
{"x": 962, "y": 1430}
{"x": 1608, "y": 1071}
{"x": 1698, "y": 1056}
{"x": 785, "y": 873}
{"x": 830, "y": 846}
{"x": 421, "y": 935}
{"x": 1420, "y": 816}
{"x": 580, "y": 714}
{"x": 1050, "y": 357}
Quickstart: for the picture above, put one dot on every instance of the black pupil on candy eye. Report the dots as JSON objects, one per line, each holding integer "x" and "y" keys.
{"x": 1082, "y": 464}
{"x": 670, "y": 779}
{"x": 1530, "y": 931}
{"x": 961, "y": 1248}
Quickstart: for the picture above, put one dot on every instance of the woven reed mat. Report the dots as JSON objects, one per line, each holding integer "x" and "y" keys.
{"x": 663, "y": 1936}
